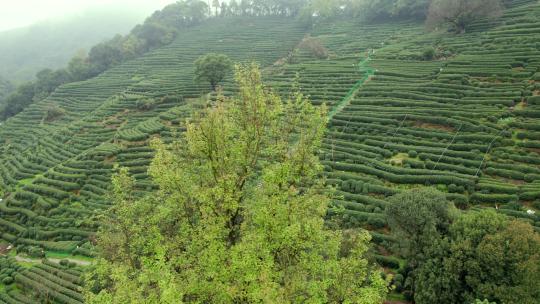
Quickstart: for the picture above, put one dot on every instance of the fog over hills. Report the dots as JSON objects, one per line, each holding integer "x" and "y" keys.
{"x": 52, "y": 43}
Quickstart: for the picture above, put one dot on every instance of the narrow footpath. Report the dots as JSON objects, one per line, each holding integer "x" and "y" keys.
{"x": 55, "y": 260}
{"x": 368, "y": 72}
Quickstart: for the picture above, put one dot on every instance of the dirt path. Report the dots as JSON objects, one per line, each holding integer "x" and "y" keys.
{"x": 368, "y": 72}
{"x": 55, "y": 260}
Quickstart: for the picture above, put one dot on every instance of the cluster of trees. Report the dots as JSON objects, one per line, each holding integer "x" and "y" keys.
{"x": 157, "y": 30}
{"x": 239, "y": 215}
{"x": 258, "y": 7}
{"x": 365, "y": 9}
{"x": 456, "y": 13}
{"x": 46, "y": 82}
{"x": 369, "y": 9}
{"x": 5, "y": 89}
{"x": 461, "y": 13}
{"x": 460, "y": 258}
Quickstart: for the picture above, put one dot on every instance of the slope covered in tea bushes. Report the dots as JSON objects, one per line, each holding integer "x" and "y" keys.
{"x": 465, "y": 122}
{"x": 458, "y": 112}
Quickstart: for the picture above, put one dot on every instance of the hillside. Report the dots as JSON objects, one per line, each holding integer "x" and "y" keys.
{"x": 465, "y": 121}
{"x": 5, "y": 88}
{"x": 51, "y": 44}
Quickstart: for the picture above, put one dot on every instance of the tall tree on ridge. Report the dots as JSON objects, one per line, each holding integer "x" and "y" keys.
{"x": 460, "y": 13}
{"x": 212, "y": 68}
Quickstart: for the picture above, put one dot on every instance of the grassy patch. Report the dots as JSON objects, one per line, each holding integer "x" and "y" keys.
{"x": 65, "y": 255}
{"x": 398, "y": 159}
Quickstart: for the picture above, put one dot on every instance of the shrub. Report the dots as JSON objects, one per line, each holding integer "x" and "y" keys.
{"x": 145, "y": 104}
{"x": 493, "y": 198}
{"x": 315, "y": 47}
{"x": 533, "y": 100}
{"x": 531, "y": 177}
{"x": 7, "y": 280}
{"x": 389, "y": 262}
{"x": 428, "y": 53}
{"x": 54, "y": 112}
{"x": 35, "y": 252}
{"x": 529, "y": 196}
{"x": 376, "y": 222}
{"x": 398, "y": 282}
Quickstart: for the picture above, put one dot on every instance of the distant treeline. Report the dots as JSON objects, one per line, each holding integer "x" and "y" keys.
{"x": 308, "y": 9}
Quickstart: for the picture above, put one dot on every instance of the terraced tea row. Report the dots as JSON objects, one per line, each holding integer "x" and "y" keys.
{"x": 45, "y": 281}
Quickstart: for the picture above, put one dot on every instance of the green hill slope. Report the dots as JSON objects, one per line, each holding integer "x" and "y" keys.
{"x": 465, "y": 122}
{"x": 5, "y": 88}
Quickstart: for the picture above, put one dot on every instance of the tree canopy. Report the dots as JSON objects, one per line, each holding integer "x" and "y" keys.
{"x": 460, "y": 13}
{"x": 418, "y": 218}
{"x": 5, "y": 89}
{"x": 239, "y": 215}
{"x": 485, "y": 256}
{"x": 459, "y": 258}
{"x": 212, "y": 68}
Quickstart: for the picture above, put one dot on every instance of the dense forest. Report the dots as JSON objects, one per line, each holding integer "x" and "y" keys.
{"x": 281, "y": 151}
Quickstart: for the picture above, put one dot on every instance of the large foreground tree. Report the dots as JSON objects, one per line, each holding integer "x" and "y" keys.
{"x": 460, "y": 13}
{"x": 239, "y": 215}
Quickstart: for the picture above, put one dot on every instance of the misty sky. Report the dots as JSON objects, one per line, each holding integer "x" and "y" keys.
{"x": 19, "y": 13}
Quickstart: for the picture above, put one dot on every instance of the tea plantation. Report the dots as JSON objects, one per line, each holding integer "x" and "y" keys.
{"x": 406, "y": 108}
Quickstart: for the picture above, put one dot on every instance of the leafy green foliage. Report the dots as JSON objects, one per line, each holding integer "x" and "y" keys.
{"x": 486, "y": 257}
{"x": 5, "y": 88}
{"x": 412, "y": 8}
{"x": 457, "y": 259}
{"x": 54, "y": 112}
{"x": 17, "y": 101}
{"x": 366, "y": 10}
{"x": 460, "y": 13}
{"x": 418, "y": 219}
{"x": 212, "y": 68}
{"x": 56, "y": 175}
{"x": 239, "y": 216}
